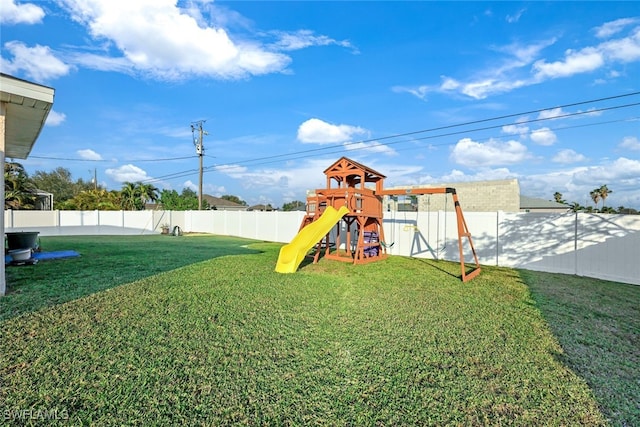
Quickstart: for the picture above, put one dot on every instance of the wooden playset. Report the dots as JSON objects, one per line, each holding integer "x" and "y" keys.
{"x": 354, "y": 223}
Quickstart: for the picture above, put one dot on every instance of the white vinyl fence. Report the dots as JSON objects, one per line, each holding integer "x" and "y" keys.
{"x": 594, "y": 245}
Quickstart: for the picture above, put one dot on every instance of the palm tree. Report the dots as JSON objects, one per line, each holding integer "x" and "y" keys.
{"x": 19, "y": 191}
{"x": 595, "y": 196}
{"x": 130, "y": 196}
{"x": 557, "y": 196}
{"x": 147, "y": 193}
{"x": 576, "y": 207}
{"x": 604, "y": 193}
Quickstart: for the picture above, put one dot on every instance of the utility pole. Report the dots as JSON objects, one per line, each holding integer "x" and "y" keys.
{"x": 198, "y": 141}
{"x": 95, "y": 178}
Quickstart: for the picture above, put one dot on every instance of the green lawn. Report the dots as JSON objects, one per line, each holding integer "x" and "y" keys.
{"x": 166, "y": 330}
{"x": 598, "y": 325}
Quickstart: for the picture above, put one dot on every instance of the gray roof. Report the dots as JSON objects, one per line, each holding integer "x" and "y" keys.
{"x": 220, "y": 203}
{"x": 536, "y": 203}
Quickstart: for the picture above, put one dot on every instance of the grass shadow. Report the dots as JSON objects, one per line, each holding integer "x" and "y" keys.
{"x": 597, "y": 324}
{"x": 105, "y": 262}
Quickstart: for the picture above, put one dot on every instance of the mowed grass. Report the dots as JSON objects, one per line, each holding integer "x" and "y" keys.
{"x": 227, "y": 341}
{"x": 598, "y": 325}
{"x": 104, "y": 262}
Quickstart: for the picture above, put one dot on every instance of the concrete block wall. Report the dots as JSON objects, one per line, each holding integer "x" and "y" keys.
{"x": 477, "y": 196}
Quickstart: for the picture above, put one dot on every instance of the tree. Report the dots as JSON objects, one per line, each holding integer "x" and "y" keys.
{"x": 59, "y": 183}
{"x": 129, "y": 196}
{"x": 604, "y": 193}
{"x": 595, "y": 196}
{"x": 94, "y": 199}
{"x": 557, "y": 196}
{"x": 148, "y": 193}
{"x": 135, "y": 195}
{"x": 234, "y": 199}
{"x": 628, "y": 211}
{"x": 19, "y": 191}
{"x": 600, "y": 193}
{"x": 292, "y": 206}
{"x": 188, "y": 200}
{"x": 576, "y": 207}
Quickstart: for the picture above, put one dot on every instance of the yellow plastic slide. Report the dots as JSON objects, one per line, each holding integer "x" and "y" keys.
{"x": 292, "y": 254}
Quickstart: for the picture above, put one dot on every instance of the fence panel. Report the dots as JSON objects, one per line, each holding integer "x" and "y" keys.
{"x": 594, "y": 245}
{"x": 609, "y": 247}
{"x": 538, "y": 241}
{"x": 21, "y": 219}
{"x": 111, "y": 218}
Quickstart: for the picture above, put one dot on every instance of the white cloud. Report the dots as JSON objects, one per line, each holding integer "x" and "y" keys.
{"x": 611, "y": 28}
{"x": 568, "y": 156}
{"x": 305, "y": 38}
{"x": 491, "y": 153}
{"x": 55, "y": 118}
{"x": 488, "y": 174}
{"x": 419, "y": 92}
{"x": 371, "y": 147}
{"x": 624, "y": 50}
{"x": 523, "y": 66}
{"x": 232, "y": 170}
{"x": 491, "y": 86}
{"x": 297, "y": 177}
{"x": 38, "y": 63}
{"x": 622, "y": 170}
{"x": 543, "y": 136}
{"x": 585, "y": 60}
{"x": 516, "y": 130}
{"x": 576, "y": 183}
{"x": 127, "y": 173}
{"x": 190, "y": 185}
{"x": 25, "y": 13}
{"x": 551, "y": 114}
{"x": 210, "y": 189}
{"x": 630, "y": 143}
{"x": 100, "y": 62}
{"x": 316, "y": 131}
{"x": 519, "y": 55}
{"x": 158, "y": 39}
{"x": 89, "y": 154}
{"x": 511, "y": 19}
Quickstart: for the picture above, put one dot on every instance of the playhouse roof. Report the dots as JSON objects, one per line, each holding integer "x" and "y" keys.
{"x": 345, "y": 166}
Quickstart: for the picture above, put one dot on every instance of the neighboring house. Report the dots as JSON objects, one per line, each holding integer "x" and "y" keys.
{"x": 532, "y": 204}
{"x": 474, "y": 196}
{"x": 262, "y": 208}
{"x": 218, "y": 204}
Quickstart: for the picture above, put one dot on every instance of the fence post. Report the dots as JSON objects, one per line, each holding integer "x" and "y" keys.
{"x": 497, "y": 238}
{"x": 575, "y": 245}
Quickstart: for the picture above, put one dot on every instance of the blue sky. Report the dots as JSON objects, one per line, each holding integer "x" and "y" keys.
{"x": 423, "y": 92}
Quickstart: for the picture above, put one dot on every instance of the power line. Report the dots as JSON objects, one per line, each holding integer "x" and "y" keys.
{"x": 111, "y": 161}
{"x": 340, "y": 148}
{"x": 392, "y": 139}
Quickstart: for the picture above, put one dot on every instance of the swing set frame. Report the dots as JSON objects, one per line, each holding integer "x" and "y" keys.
{"x": 463, "y": 231}
{"x": 360, "y": 189}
